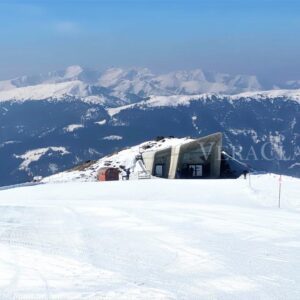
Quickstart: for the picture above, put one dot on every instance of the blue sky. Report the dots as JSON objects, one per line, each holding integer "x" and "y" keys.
{"x": 259, "y": 37}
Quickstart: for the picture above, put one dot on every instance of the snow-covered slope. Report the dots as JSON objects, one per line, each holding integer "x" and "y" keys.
{"x": 271, "y": 94}
{"x": 64, "y": 91}
{"x": 151, "y": 239}
{"x": 185, "y": 100}
{"x": 125, "y": 158}
{"x": 46, "y": 91}
{"x": 36, "y": 154}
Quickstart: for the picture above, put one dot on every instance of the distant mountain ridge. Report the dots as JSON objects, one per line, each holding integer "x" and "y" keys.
{"x": 142, "y": 82}
{"x": 51, "y": 136}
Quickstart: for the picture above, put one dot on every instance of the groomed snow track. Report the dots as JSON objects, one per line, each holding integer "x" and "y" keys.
{"x": 151, "y": 239}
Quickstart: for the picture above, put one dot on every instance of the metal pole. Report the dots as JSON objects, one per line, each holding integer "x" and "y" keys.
{"x": 279, "y": 195}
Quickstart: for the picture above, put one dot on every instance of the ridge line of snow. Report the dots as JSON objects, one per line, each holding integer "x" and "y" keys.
{"x": 176, "y": 100}
{"x": 45, "y": 91}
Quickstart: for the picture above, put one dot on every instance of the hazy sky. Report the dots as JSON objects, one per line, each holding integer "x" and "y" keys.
{"x": 259, "y": 37}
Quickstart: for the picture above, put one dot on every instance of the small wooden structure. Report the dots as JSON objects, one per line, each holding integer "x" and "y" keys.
{"x": 108, "y": 174}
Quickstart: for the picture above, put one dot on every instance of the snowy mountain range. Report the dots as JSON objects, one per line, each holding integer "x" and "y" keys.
{"x": 140, "y": 81}
{"x": 137, "y": 81}
{"x": 116, "y": 86}
{"x": 52, "y": 122}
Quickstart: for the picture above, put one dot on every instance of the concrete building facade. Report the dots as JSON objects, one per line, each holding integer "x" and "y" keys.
{"x": 199, "y": 158}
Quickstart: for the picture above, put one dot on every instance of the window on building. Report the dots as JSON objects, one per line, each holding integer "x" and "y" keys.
{"x": 159, "y": 170}
{"x": 196, "y": 170}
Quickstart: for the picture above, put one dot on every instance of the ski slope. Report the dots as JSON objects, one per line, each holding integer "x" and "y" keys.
{"x": 151, "y": 239}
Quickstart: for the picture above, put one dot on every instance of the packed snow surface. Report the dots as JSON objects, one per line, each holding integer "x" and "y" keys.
{"x": 151, "y": 239}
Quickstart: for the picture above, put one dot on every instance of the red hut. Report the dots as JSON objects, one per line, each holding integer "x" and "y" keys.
{"x": 108, "y": 174}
